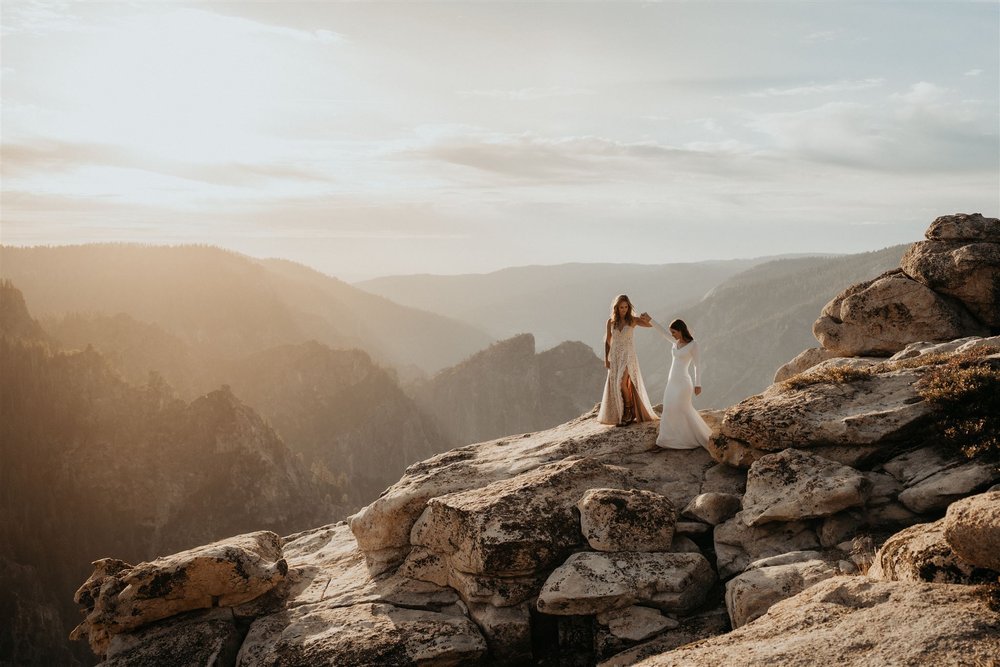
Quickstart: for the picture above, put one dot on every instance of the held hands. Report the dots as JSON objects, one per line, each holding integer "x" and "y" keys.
{"x": 697, "y": 390}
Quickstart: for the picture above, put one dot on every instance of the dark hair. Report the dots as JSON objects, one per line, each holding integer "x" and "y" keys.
{"x": 678, "y": 325}
{"x": 614, "y": 310}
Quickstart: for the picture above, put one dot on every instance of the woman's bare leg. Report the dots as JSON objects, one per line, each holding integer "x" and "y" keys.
{"x": 628, "y": 412}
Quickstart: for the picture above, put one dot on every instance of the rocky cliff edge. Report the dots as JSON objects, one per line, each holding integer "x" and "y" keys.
{"x": 587, "y": 543}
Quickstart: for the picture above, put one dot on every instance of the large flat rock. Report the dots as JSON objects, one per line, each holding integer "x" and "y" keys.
{"x": 362, "y": 635}
{"x": 592, "y": 582}
{"x": 842, "y": 415}
{"x": 793, "y": 485}
{"x": 515, "y": 526}
{"x": 383, "y": 528}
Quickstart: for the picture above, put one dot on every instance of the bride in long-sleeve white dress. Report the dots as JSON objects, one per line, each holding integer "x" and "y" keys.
{"x": 681, "y": 427}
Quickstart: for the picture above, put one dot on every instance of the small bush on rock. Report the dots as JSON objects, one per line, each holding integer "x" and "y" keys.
{"x": 965, "y": 392}
{"x": 832, "y": 375}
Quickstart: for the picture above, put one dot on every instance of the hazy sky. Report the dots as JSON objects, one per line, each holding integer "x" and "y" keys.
{"x": 365, "y": 139}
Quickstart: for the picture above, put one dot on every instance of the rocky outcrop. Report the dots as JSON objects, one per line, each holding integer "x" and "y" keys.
{"x": 383, "y": 528}
{"x": 120, "y": 597}
{"x": 793, "y": 485}
{"x": 879, "y": 317}
{"x": 591, "y": 583}
{"x": 961, "y": 259}
{"x": 855, "y": 622}
{"x": 563, "y": 546}
{"x": 946, "y": 287}
{"x": 921, "y": 553}
{"x": 627, "y": 520}
{"x": 803, "y": 362}
{"x": 750, "y": 594}
{"x": 846, "y": 416}
{"x": 972, "y": 529}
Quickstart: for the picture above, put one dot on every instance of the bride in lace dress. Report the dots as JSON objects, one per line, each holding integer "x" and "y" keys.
{"x": 681, "y": 427}
{"x": 625, "y": 399}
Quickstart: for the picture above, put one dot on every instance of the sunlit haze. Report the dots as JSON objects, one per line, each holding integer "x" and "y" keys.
{"x": 369, "y": 139}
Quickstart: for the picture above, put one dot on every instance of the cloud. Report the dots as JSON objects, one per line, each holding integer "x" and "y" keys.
{"x": 565, "y": 159}
{"x": 46, "y": 156}
{"x": 921, "y": 129}
{"x": 526, "y": 94}
{"x": 229, "y": 24}
{"x": 820, "y": 89}
{"x": 39, "y": 17}
{"x": 820, "y": 36}
{"x": 973, "y": 72}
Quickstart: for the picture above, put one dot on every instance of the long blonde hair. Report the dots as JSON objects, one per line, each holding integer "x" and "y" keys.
{"x": 629, "y": 316}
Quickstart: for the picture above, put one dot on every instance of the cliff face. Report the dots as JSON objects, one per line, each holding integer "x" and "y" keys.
{"x": 94, "y": 465}
{"x": 586, "y": 542}
{"x": 507, "y": 388}
{"x": 341, "y": 412}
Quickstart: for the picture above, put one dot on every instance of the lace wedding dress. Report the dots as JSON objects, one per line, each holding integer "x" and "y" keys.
{"x": 622, "y": 357}
{"x": 681, "y": 427}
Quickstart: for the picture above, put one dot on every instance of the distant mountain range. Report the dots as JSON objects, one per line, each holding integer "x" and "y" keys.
{"x": 754, "y": 322}
{"x": 227, "y": 305}
{"x": 555, "y": 303}
{"x": 751, "y": 316}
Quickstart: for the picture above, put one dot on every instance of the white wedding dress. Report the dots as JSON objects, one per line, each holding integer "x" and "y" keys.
{"x": 621, "y": 358}
{"x": 681, "y": 427}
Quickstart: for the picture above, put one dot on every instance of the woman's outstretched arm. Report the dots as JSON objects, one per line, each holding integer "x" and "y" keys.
{"x": 663, "y": 332}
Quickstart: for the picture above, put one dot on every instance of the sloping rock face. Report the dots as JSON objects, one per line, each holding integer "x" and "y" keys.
{"x": 856, "y": 622}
